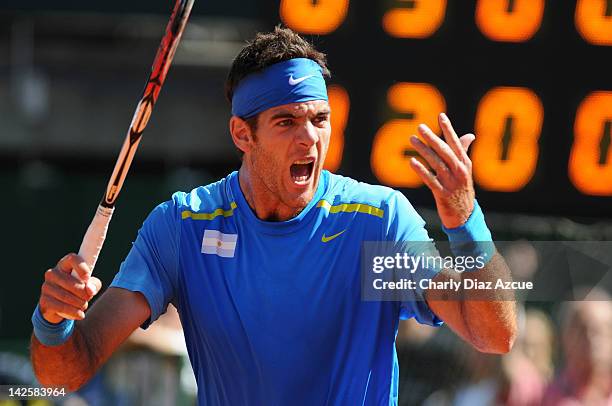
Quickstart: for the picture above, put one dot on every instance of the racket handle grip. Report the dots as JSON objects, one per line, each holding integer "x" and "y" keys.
{"x": 95, "y": 236}
{"x": 93, "y": 240}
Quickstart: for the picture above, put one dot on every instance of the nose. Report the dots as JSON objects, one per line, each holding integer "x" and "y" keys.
{"x": 307, "y": 135}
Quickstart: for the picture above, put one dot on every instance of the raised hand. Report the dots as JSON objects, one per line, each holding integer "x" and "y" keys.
{"x": 450, "y": 176}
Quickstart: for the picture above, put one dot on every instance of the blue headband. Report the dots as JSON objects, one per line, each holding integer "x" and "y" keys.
{"x": 292, "y": 81}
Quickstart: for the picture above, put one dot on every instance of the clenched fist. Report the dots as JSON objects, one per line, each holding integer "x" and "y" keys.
{"x": 67, "y": 290}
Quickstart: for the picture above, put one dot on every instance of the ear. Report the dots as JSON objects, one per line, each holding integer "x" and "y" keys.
{"x": 241, "y": 133}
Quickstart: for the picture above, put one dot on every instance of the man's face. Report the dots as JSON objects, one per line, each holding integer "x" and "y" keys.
{"x": 588, "y": 337}
{"x": 289, "y": 149}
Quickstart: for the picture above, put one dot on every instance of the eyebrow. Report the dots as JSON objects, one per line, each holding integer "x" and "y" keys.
{"x": 286, "y": 114}
{"x": 282, "y": 114}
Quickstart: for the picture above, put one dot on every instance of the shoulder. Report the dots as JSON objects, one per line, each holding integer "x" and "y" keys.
{"x": 401, "y": 221}
{"x": 196, "y": 203}
{"x": 343, "y": 189}
{"x": 203, "y": 199}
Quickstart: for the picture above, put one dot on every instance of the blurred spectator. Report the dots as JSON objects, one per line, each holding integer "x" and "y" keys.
{"x": 428, "y": 361}
{"x": 586, "y": 332}
{"x": 485, "y": 381}
{"x": 516, "y": 379}
{"x": 528, "y": 369}
{"x": 538, "y": 342}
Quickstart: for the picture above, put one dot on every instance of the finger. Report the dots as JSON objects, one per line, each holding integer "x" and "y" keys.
{"x": 439, "y": 147}
{"x": 425, "y": 174}
{"x": 67, "y": 282}
{"x": 466, "y": 140}
{"x": 451, "y": 136}
{"x": 64, "y": 296}
{"x": 432, "y": 159}
{"x": 74, "y": 262}
{"x": 52, "y": 305}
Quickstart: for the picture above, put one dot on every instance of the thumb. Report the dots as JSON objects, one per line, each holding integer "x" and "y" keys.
{"x": 466, "y": 140}
{"x": 76, "y": 265}
{"x": 93, "y": 286}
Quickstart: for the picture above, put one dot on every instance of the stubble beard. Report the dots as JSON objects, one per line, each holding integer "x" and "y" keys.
{"x": 266, "y": 170}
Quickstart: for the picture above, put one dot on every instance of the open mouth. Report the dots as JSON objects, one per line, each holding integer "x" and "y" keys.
{"x": 301, "y": 170}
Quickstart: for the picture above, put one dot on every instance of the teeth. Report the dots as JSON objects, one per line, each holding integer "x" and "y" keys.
{"x": 303, "y": 162}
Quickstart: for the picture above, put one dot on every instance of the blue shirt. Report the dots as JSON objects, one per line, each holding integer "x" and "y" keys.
{"x": 271, "y": 311}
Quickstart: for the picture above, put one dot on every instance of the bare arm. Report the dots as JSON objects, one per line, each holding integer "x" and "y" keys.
{"x": 115, "y": 315}
{"x": 486, "y": 319}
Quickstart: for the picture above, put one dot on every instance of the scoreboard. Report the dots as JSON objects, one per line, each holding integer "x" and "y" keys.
{"x": 531, "y": 78}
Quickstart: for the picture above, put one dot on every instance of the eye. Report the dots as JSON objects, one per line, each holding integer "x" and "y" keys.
{"x": 285, "y": 123}
{"x": 321, "y": 119}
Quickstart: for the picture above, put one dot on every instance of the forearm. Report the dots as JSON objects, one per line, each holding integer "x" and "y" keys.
{"x": 486, "y": 318}
{"x": 479, "y": 312}
{"x": 70, "y": 364}
{"x": 489, "y": 310}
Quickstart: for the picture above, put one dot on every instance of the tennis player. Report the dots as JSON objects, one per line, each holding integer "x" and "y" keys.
{"x": 264, "y": 265}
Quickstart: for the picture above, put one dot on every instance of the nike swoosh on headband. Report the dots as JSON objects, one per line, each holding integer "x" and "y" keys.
{"x": 294, "y": 82}
{"x": 291, "y": 81}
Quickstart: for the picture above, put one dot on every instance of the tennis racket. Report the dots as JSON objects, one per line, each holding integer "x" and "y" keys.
{"x": 96, "y": 232}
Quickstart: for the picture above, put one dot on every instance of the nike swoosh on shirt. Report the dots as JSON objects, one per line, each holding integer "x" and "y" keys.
{"x": 331, "y": 237}
{"x": 294, "y": 82}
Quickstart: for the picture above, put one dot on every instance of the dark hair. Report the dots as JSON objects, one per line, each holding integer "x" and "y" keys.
{"x": 267, "y": 49}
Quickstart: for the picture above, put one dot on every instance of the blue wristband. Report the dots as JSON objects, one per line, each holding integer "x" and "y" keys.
{"x": 472, "y": 238}
{"x": 51, "y": 334}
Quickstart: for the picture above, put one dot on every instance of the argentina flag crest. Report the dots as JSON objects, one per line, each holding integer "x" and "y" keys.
{"x": 218, "y": 243}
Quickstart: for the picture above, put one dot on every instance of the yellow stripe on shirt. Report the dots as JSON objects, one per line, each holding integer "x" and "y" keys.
{"x": 351, "y": 207}
{"x": 209, "y": 216}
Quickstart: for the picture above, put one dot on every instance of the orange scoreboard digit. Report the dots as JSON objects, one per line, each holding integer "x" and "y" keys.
{"x": 530, "y": 78}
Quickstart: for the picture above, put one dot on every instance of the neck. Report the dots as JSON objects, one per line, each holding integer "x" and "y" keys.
{"x": 264, "y": 202}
